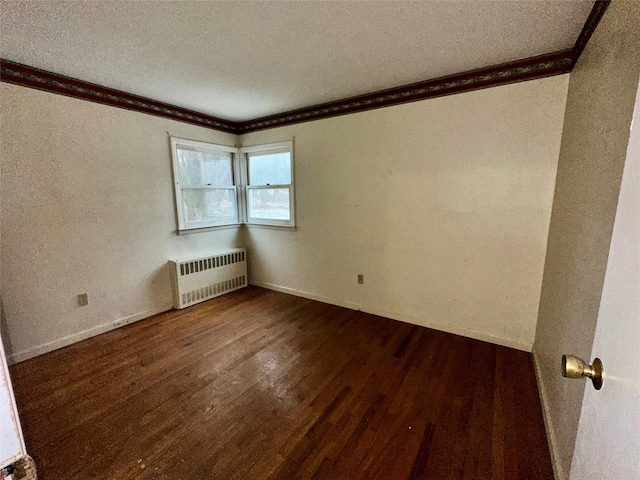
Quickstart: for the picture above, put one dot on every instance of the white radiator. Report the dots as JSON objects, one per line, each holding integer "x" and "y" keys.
{"x": 197, "y": 279}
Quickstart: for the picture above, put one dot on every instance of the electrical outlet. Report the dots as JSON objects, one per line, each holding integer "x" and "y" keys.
{"x": 360, "y": 278}
{"x": 83, "y": 299}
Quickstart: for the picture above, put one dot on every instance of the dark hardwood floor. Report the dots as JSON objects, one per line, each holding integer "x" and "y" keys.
{"x": 258, "y": 384}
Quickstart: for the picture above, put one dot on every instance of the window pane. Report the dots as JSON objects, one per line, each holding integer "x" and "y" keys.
{"x": 272, "y": 169}
{"x": 208, "y": 204}
{"x": 269, "y": 203}
{"x": 198, "y": 168}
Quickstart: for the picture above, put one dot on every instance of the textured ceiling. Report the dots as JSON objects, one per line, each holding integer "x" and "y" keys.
{"x": 241, "y": 60}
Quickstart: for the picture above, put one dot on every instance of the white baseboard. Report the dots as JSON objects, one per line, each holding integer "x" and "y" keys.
{"x": 83, "y": 335}
{"x": 400, "y": 317}
{"x": 558, "y": 472}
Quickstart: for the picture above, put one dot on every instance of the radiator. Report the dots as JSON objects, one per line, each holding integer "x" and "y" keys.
{"x": 197, "y": 279}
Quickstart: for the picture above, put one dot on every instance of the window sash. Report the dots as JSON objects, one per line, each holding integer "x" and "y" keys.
{"x": 209, "y": 223}
{"x": 228, "y": 155}
{"x": 270, "y": 221}
{"x": 264, "y": 153}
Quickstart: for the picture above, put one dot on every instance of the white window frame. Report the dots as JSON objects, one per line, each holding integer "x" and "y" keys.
{"x": 176, "y": 142}
{"x": 245, "y": 153}
{"x": 240, "y": 171}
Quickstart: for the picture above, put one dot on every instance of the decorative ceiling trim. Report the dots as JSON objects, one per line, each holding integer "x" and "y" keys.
{"x": 518, "y": 71}
{"x": 526, "y": 69}
{"x": 16, "y": 73}
{"x": 597, "y": 11}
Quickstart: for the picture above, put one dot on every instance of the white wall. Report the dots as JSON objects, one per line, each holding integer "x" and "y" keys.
{"x": 87, "y": 206}
{"x": 442, "y": 204}
{"x": 600, "y": 104}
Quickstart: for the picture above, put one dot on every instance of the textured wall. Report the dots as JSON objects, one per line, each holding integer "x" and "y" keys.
{"x": 443, "y": 205}
{"x": 87, "y": 206}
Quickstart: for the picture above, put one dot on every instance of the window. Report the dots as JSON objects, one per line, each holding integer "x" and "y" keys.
{"x": 217, "y": 185}
{"x": 269, "y": 186}
{"x": 204, "y": 184}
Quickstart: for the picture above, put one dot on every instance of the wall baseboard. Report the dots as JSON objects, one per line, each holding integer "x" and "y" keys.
{"x": 505, "y": 342}
{"x": 558, "y": 471}
{"x": 83, "y": 335}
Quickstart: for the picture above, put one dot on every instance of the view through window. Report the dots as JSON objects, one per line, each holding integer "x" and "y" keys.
{"x": 217, "y": 185}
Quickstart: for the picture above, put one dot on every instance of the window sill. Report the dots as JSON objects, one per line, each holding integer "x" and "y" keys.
{"x": 236, "y": 225}
{"x": 271, "y": 227}
{"x": 209, "y": 229}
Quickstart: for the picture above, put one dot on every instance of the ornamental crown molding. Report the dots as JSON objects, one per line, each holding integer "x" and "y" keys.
{"x": 547, "y": 65}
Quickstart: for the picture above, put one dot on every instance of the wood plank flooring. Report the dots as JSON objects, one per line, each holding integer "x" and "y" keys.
{"x": 258, "y": 384}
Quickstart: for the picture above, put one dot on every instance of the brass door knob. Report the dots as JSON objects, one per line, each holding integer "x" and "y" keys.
{"x": 574, "y": 367}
